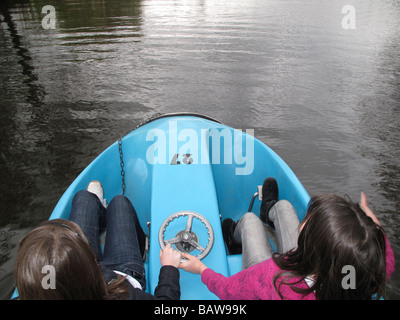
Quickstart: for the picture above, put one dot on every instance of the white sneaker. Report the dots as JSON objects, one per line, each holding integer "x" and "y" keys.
{"x": 96, "y": 188}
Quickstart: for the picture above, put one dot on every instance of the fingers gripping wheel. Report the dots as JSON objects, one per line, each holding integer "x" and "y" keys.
{"x": 186, "y": 240}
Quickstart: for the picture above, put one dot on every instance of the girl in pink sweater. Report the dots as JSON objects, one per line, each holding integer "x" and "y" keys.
{"x": 340, "y": 251}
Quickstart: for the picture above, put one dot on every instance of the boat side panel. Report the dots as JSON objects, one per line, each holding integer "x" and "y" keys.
{"x": 236, "y": 191}
{"x": 104, "y": 168}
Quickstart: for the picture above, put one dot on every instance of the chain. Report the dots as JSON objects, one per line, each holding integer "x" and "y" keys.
{"x": 121, "y": 159}
{"x": 121, "y": 156}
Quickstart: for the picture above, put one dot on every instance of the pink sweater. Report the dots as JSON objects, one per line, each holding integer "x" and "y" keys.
{"x": 256, "y": 282}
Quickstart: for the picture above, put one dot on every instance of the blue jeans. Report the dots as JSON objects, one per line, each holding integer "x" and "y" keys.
{"x": 125, "y": 238}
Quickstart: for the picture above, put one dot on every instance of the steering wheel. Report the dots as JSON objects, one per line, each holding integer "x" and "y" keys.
{"x": 186, "y": 240}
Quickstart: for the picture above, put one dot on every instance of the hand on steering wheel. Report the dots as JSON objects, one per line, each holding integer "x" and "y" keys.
{"x": 186, "y": 240}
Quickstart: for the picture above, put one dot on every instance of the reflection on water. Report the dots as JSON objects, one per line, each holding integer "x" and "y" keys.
{"x": 326, "y": 99}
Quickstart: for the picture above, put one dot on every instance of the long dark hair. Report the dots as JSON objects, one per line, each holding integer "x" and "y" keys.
{"x": 335, "y": 233}
{"x": 62, "y": 245}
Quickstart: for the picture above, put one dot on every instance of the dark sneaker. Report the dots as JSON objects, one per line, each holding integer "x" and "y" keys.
{"x": 270, "y": 194}
{"x": 228, "y": 228}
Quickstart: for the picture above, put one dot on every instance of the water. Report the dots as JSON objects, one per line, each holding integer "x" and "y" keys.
{"x": 324, "y": 98}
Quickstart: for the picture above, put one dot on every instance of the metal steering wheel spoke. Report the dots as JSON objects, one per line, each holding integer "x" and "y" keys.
{"x": 173, "y": 240}
{"x": 189, "y": 223}
{"x": 186, "y": 240}
{"x": 196, "y": 245}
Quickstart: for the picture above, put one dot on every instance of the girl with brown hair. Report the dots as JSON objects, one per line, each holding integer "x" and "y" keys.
{"x": 313, "y": 258}
{"x": 81, "y": 269}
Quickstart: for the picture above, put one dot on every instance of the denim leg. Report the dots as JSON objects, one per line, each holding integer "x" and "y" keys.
{"x": 124, "y": 240}
{"x": 251, "y": 233}
{"x": 286, "y": 223}
{"x": 88, "y": 212}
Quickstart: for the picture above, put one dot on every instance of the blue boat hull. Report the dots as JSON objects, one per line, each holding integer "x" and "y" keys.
{"x": 176, "y": 163}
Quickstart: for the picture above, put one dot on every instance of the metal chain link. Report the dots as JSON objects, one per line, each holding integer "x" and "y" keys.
{"x": 122, "y": 164}
{"x": 121, "y": 155}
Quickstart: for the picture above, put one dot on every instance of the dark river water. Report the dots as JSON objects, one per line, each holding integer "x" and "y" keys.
{"x": 320, "y": 91}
